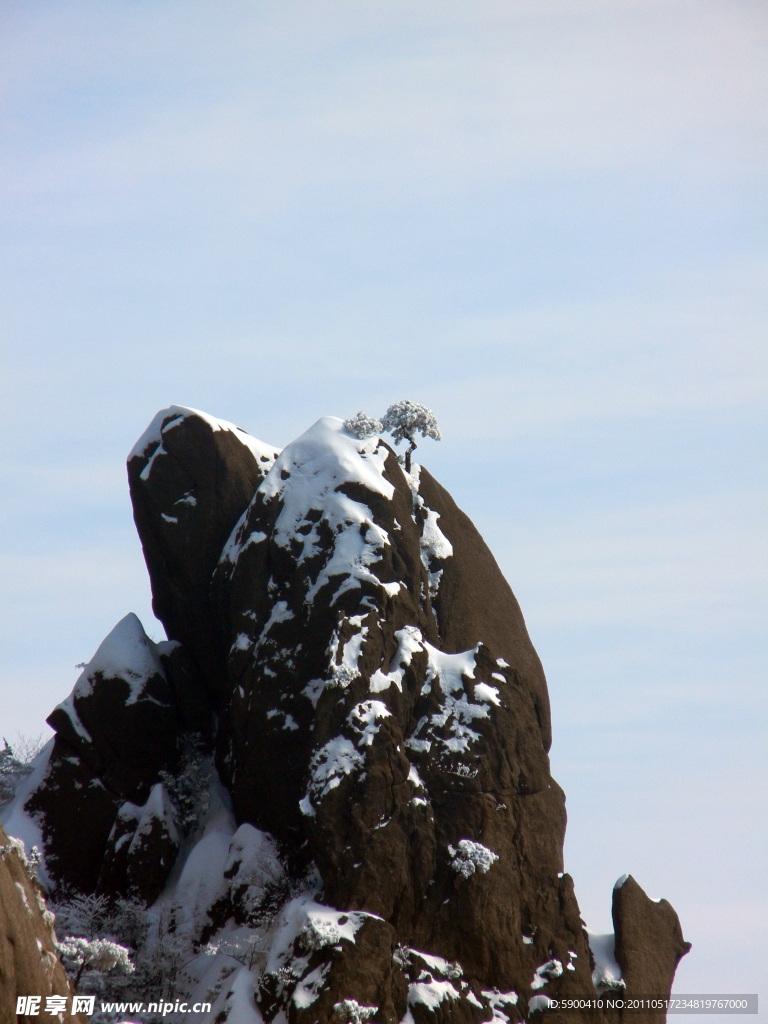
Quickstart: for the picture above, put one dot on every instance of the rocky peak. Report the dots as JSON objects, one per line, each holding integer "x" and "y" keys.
{"x": 345, "y": 650}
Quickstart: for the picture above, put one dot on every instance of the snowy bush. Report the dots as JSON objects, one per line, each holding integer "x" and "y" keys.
{"x": 318, "y": 933}
{"x": 12, "y": 770}
{"x": 404, "y": 420}
{"x": 101, "y": 955}
{"x": 471, "y": 857}
{"x": 81, "y": 915}
{"x": 363, "y": 425}
{"x": 125, "y": 923}
{"x": 30, "y": 861}
{"x": 349, "y": 1011}
{"x": 261, "y": 912}
{"x": 251, "y": 952}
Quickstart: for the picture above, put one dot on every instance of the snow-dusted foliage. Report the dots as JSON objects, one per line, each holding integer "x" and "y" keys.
{"x": 363, "y": 425}
{"x": 83, "y": 915}
{"x": 349, "y": 1011}
{"x": 405, "y": 419}
{"x": 12, "y": 770}
{"x": 471, "y": 857}
{"x": 250, "y": 951}
{"x": 79, "y": 955}
{"x": 189, "y": 786}
{"x": 29, "y": 860}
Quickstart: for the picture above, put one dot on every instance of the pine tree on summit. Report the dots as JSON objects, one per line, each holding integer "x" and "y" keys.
{"x": 405, "y": 419}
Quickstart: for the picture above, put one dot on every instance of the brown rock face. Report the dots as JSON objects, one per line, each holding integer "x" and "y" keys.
{"x": 190, "y": 478}
{"x": 477, "y": 604}
{"x": 71, "y": 792}
{"x": 29, "y": 964}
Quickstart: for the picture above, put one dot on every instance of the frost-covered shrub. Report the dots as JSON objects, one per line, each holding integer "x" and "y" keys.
{"x": 124, "y": 923}
{"x": 81, "y": 915}
{"x": 318, "y": 933}
{"x": 363, "y": 425}
{"x": 79, "y": 955}
{"x": 262, "y": 912}
{"x": 12, "y": 770}
{"x": 471, "y": 857}
{"x": 349, "y": 1011}
{"x": 251, "y": 952}
{"x": 29, "y": 860}
{"x": 404, "y": 420}
{"x": 26, "y": 748}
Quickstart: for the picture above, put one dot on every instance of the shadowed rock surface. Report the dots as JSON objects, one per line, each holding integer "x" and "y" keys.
{"x": 381, "y": 736}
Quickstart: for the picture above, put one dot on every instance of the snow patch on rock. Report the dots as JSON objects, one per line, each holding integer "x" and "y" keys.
{"x": 497, "y": 1000}
{"x": 335, "y": 759}
{"x": 364, "y": 718}
{"x": 607, "y": 973}
{"x": 546, "y": 972}
{"x": 409, "y": 643}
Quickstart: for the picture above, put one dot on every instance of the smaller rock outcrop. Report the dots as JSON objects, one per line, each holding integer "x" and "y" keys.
{"x": 115, "y": 733}
{"x": 649, "y": 940}
{"x": 29, "y": 964}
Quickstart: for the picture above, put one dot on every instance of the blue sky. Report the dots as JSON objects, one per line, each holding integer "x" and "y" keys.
{"x": 545, "y": 220}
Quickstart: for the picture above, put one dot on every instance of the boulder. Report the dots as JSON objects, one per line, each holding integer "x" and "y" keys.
{"x": 121, "y": 716}
{"x": 75, "y": 812}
